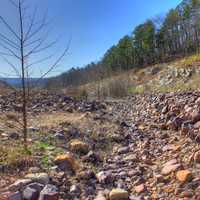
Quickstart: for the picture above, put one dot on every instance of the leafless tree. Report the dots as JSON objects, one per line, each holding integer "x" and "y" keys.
{"x": 26, "y": 41}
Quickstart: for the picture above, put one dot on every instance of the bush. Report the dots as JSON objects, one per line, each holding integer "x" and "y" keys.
{"x": 116, "y": 88}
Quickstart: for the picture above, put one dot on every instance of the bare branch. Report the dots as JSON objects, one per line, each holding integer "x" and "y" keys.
{"x": 39, "y": 61}
{"x": 10, "y": 50}
{"x": 32, "y": 42}
{"x": 38, "y": 29}
{"x": 6, "y": 54}
{"x": 10, "y": 41}
{"x": 13, "y": 3}
{"x": 54, "y": 65}
{"x": 36, "y": 49}
{"x": 9, "y": 27}
{"x": 31, "y": 24}
{"x": 12, "y": 66}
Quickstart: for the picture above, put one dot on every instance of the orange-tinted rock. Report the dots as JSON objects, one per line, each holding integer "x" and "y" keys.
{"x": 79, "y": 146}
{"x": 184, "y": 175}
{"x": 67, "y": 161}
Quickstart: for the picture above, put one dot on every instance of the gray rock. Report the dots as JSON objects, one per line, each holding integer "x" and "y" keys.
{"x": 59, "y": 136}
{"x": 42, "y": 178}
{"x": 75, "y": 190}
{"x": 30, "y": 194}
{"x": 104, "y": 177}
{"x": 34, "y": 170}
{"x": 50, "y": 192}
{"x": 36, "y": 186}
{"x": 14, "y": 136}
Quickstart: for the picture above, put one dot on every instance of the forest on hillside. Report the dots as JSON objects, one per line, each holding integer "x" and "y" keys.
{"x": 155, "y": 41}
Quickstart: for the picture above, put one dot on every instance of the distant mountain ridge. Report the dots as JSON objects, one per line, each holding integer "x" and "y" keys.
{"x": 16, "y": 82}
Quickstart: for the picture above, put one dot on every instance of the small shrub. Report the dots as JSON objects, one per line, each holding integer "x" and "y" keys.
{"x": 116, "y": 88}
{"x": 137, "y": 90}
{"x": 190, "y": 61}
{"x": 81, "y": 94}
{"x": 15, "y": 156}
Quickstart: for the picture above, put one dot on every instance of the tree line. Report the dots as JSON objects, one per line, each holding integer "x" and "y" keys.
{"x": 154, "y": 41}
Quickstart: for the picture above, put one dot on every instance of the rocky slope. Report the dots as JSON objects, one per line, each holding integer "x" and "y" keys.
{"x": 175, "y": 76}
{"x": 141, "y": 147}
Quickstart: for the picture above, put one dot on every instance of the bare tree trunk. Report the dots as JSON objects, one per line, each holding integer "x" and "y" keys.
{"x": 24, "y": 106}
{"x": 27, "y": 43}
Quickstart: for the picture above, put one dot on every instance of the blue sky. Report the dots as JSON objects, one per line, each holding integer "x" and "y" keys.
{"x": 93, "y": 25}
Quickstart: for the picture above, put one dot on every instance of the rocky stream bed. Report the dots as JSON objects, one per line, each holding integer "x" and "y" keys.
{"x": 141, "y": 147}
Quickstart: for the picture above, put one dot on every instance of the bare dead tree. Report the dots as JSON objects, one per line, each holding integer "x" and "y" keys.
{"x": 24, "y": 43}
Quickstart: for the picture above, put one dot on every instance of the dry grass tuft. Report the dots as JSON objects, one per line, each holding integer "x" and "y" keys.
{"x": 190, "y": 61}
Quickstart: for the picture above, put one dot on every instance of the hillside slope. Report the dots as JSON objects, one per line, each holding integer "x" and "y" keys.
{"x": 179, "y": 75}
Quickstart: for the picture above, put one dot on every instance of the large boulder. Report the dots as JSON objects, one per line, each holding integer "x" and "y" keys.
{"x": 32, "y": 191}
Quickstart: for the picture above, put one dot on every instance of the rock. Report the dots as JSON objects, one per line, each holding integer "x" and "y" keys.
{"x": 67, "y": 162}
{"x": 104, "y": 177}
{"x": 30, "y": 194}
{"x": 33, "y": 129}
{"x": 170, "y": 147}
{"x": 175, "y": 124}
{"x": 140, "y": 188}
{"x": 197, "y": 125}
{"x": 59, "y": 136}
{"x": 123, "y": 150}
{"x": 79, "y": 146}
{"x": 187, "y": 195}
{"x": 50, "y": 192}
{"x": 186, "y": 127}
{"x": 14, "y": 136}
{"x": 92, "y": 157}
{"x": 164, "y": 110}
{"x": 195, "y": 116}
{"x": 100, "y": 196}
{"x": 75, "y": 190}
{"x": 11, "y": 196}
{"x": 159, "y": 178}
{"x": 42, "y": 178}
{"x": 19, "y": 184}
{"x": 2, "y": 168}
{"x": 36, "y": 186}
{"x": 85, "y": 175}
{"x": 34, "y": 170}
{"x": 169, "y": 167}
{"x": 197, "y": 157}
{"x": 184, "y": 176}
{"x": 118, "y": 194}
